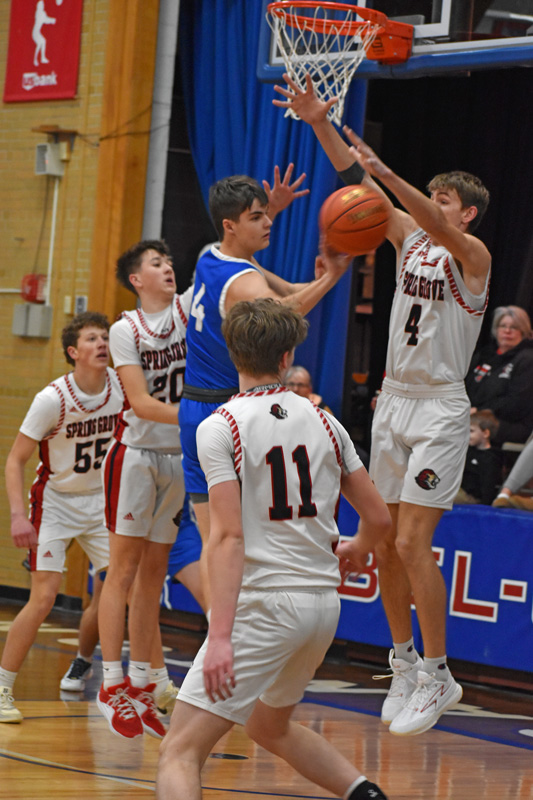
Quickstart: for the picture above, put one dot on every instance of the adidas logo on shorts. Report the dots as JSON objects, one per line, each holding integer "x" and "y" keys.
{"x": 48, "y": 554}
{"x": 129, "y": 516}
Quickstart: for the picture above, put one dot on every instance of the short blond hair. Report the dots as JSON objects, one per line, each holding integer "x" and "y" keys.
{"x": 258, "y": 334}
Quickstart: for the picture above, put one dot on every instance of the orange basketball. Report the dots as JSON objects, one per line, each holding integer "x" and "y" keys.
{"x": 354, "y": 220}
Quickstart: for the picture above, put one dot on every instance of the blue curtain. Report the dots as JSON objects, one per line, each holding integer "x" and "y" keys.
{"x": 234, "y": 129}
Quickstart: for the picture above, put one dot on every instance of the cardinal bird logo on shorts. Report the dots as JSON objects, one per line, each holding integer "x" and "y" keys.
{"x": 277, "y": 411}
{"x": 427, "y": 479}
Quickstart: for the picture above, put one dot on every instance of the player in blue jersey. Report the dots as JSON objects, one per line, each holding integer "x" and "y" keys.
{"x": 226, "y": 274}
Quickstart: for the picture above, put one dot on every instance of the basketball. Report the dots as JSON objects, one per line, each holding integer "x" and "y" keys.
{"x": 354, "y": 220}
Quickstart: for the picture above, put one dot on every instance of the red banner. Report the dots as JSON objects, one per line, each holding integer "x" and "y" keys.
{"x": 44, "y": 50}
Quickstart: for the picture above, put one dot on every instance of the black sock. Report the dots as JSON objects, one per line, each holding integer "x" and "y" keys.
{"x": 367, "y": 791}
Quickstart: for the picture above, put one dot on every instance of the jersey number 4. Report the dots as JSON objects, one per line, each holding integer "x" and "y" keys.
{"x": 280, "y": 510}
{"x": 197, "y": 309}
{"x": 413, "y": 320}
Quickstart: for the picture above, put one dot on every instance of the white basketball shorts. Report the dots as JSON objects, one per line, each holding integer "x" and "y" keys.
{"x": 144, "y": 492}
{"x": 60, "y": 517}
{"x": 279, "y": 640}
{"x": 419, "y": 448}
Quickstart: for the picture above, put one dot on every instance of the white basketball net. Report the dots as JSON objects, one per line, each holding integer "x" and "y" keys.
{"x": 331, "y": 58}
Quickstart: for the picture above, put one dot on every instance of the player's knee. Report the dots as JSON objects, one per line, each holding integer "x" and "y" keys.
{"x": 43, "y": 600}
{"x": 408, "y": 550}
{"x": 265, "y": 735}
{"x": 385, "y": 551}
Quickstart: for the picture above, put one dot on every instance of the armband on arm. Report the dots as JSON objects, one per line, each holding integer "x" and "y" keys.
{"x": 353, "y": 175}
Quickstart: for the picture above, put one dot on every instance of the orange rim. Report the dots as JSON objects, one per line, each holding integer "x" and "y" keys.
{"x": 281, "y": 9}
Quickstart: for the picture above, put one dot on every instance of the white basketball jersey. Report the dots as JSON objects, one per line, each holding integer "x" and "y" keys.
{"x": 79, "y": 429}
{"x": 289, "y": 457}
{"x": 435, "y": 321}
{"x": 156, "y": 342}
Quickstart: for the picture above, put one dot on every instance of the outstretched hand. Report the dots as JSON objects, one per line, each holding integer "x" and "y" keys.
{"x": 303, "y": 103}
{"x": 282, "y": 194}
{"x": 365, "y": 156}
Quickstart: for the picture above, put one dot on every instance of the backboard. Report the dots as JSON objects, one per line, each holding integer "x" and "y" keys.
{"x": 450, "y": 36}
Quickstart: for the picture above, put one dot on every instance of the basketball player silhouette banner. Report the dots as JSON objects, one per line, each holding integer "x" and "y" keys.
{"x": 43, "y": 51}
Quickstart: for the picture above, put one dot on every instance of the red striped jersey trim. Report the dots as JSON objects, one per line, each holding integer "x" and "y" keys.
{"x": 121, "y": 425}
{"x": 36, "y": 498}
{"x": 134, "y": 328}
{"x": 416, "y": 244}
{"x": 234, "y": 428}
{"x": 330, "y": 434}
{"x": 62, "y": 409}
{"x": 78, "y": 402}
{"x": 181, "y": 312}
{"x": 261, "y": 392}
{"x": 112, "y": 479}
{"x": 456, "y": 294}
{"x": 151, "y": 332}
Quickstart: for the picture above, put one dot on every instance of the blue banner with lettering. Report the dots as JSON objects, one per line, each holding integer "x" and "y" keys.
{"x": 486, "y": 557}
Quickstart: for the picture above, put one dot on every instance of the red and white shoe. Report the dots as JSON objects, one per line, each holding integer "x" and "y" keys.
{"x": 426, "y": 705}
{"x": 118, "y": 708}
{"x": 143, "y": 700}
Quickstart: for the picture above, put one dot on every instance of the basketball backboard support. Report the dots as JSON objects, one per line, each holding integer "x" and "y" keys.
{"x": 450, "y": 36}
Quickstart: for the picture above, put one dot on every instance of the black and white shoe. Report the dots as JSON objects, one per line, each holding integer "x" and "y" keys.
{"x": 74, "y": 679}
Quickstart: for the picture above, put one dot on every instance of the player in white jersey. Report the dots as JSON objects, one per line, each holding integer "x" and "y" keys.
{"x": 420, "y": 429}
{"x": 72, "y": 422}
{"x": 275, "y": 464}
{"x": 143, "y": 485}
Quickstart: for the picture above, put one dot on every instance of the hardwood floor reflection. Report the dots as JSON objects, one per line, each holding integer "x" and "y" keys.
{"x": 64, "y": 749}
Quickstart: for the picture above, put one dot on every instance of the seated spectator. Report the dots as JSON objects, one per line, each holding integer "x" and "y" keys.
{"x": 500, "y": 377}
{"x": 520, "y": 475}
{"x": 298, "y": 380}
{"x": 482, "y": 467}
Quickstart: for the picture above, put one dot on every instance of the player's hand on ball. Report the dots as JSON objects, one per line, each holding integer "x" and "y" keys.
{"x": 332, "y": 262}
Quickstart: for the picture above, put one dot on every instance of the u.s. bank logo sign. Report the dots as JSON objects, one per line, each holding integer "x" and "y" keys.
{"x": 44, "y": 50}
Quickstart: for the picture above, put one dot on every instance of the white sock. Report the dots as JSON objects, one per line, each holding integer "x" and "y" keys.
{"x": 139, "y": 673}
{"x": 113, "y": 673}
{"x": 437, "y": 667}
{"x": 406, "y": 650}
{"x": 7, "y": 678}
{"x": 161, "y": 678}
{"x": 361, "y": 779}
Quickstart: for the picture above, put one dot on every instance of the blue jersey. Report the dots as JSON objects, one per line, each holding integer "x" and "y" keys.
{"x": 208, "y": 364}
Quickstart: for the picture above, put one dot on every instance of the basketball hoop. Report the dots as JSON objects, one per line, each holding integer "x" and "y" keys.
{"x": 326, "y": 40}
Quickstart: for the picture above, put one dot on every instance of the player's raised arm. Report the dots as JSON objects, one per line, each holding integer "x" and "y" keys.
{"x": 344, "y": 159}
{"x": 448, "y": 229}
{"x": 301, "y": 297}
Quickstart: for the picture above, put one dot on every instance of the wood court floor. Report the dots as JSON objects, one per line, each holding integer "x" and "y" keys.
{"x": 63, "y": 748}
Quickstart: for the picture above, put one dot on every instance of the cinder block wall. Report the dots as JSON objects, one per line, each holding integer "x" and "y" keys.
{"x": 28, "y": 364}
